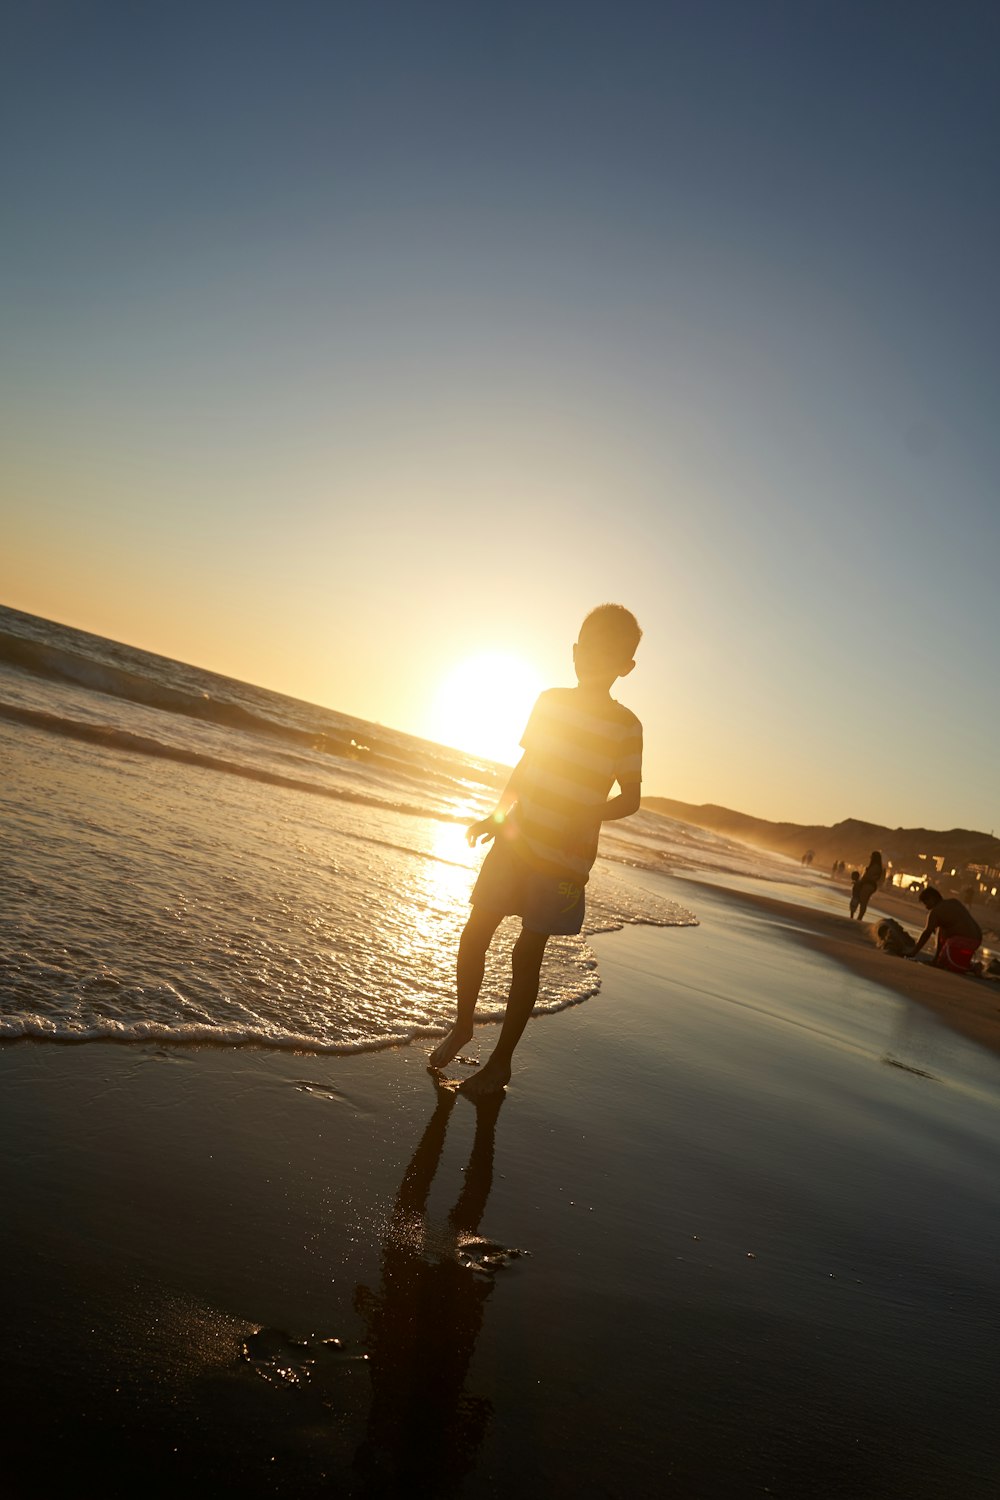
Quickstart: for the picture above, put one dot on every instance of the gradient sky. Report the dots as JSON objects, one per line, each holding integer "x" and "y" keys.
{"x": 344, "y": 341}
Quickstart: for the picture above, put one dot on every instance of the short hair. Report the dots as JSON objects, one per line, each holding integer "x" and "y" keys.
{"x": 855, "y": 874}
{"x": 930, "y": 895}
{"x": 614, "y": 625}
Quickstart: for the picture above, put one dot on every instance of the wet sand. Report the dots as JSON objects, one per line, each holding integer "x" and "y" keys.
{"x": 732, "y": 1232}
{"x": 968, "y": 1004}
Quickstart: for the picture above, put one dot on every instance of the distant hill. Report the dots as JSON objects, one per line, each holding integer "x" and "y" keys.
{"x": 850, "y": 840}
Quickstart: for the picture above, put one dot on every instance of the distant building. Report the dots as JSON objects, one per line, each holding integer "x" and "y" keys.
{"x": 986, "y": 878}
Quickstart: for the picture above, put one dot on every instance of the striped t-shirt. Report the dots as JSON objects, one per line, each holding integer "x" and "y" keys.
{"x": 576, "y": 750}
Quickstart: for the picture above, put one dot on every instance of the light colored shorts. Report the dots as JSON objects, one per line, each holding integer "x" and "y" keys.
{"x": 550, "y": 904}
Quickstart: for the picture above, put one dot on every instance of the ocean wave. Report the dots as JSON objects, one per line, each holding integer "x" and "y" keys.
{"x": 166, "y": 1033}
{"x": 132, "y": 1031}
{"x": 434, "y": 859}
{"x": 137, "y": 744}
{"x": 45, "y": 660}
{"x": 349, "y": 740}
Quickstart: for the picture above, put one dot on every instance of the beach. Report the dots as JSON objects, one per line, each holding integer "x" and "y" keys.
{"x": 733, "y": 1231}
{"x": 500, "y": 523}
{"x": 973, "y": 1009}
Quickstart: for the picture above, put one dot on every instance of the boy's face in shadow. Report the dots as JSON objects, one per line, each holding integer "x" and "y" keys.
{"x": 598, "y": 662}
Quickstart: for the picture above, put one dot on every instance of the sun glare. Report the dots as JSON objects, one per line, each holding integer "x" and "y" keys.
{"x": 483, "y": 705}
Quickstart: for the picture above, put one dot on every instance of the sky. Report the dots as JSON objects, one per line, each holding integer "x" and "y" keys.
{"x": 346, "y": 344}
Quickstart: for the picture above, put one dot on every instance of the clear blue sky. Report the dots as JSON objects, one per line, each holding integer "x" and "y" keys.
{"x": 341, "y": 342}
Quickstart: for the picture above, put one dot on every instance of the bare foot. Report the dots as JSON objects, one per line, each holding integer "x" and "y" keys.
{"x": 450, "y": 1046}
{"x": 491, "y": 1078}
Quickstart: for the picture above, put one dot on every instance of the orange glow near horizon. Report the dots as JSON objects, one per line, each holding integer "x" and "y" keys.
{"x": 482, "y": 705}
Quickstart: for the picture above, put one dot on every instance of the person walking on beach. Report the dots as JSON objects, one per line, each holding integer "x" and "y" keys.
{"x": 959, "y": 934}
{"x": 545, "y": 828}
{"x": 869, "y": 883}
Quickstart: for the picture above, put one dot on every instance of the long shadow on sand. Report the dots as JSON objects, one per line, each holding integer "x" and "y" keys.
{"x": 423, "y": 1322}
{"x": 419, "y": 1432}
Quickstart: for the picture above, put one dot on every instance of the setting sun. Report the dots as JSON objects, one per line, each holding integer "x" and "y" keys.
{"x": 483, "y": 705}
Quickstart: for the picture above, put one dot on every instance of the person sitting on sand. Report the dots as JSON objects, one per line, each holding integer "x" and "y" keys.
{"x": 868, "y": 884}
{"x": 579, "y": 742}
{"x": 959, "y": 934}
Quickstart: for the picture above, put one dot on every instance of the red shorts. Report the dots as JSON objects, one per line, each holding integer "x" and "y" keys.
{"x": 955, "y": 954}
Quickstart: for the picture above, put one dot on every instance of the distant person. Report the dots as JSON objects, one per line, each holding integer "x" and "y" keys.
{"x": 855, "y": 891}
{"x": 579, "y": 742}
{"x": 958, "y": 932}
{"x": 871, "y": 879}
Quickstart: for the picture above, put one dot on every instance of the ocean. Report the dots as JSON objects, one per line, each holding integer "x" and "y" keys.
{"x": 189, "y": 858}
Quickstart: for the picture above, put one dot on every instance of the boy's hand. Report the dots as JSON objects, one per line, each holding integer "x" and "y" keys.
{"x": 481, "y": 832}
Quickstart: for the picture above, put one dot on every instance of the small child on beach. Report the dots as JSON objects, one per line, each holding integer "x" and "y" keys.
{"x": 864, "y": 887}
{"x": 545, "y": 828}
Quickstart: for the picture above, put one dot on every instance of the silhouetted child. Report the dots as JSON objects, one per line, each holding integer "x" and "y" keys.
{"x": 855, "y": 890}
{"x": 869, "y": 882}
{"x": 579, "y": 742}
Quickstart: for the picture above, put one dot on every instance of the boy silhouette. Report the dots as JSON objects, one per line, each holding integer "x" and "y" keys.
{"x": 545, "y": 828}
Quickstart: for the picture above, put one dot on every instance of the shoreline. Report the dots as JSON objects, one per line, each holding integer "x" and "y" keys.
{"x": 704, "y": 1235}
{"x": 967, "y": 1004}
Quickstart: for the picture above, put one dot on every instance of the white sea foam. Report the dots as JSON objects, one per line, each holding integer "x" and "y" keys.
{"x": 200, "y": 891}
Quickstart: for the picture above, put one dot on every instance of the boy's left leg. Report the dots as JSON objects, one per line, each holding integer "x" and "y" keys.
{"x": 529, "y": 951}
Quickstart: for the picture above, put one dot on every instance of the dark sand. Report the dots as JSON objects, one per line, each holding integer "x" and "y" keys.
{"x": 756, "y": 1194}
{"x": 968, "y": 1004}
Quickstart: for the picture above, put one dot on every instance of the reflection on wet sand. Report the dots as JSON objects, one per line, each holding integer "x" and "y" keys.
{"x": 423, "y": 1322}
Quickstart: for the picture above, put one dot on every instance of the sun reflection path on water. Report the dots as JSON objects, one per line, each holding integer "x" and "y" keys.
{"x": 441, "y": 884}
{"x": 256, "y": 921}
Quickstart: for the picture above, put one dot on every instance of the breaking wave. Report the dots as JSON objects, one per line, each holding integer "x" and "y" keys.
{"x": 137, "y": 744}
{"x": 302, "y": 725}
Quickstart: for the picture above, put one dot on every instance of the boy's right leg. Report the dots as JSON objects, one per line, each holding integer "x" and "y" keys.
{"x": 472, "y": 949}
{"x": 527, "y": 962}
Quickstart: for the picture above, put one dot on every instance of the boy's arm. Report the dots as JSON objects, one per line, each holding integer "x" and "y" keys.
{"x": 624, "y": 805}
{"x": 629, "y": 778}
{"x": 486, "y": 828}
